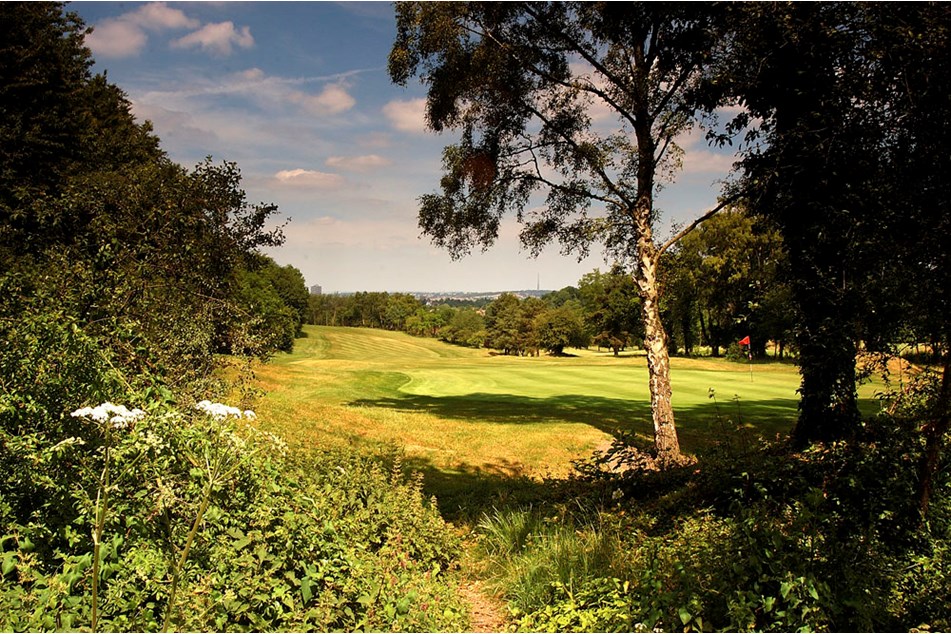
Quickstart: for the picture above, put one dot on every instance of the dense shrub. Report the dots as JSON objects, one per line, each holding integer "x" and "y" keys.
{"x": 205, "y": 523}
{"x": 759, "y": 540}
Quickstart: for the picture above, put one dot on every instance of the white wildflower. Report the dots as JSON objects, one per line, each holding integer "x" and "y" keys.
{"x": 218, "y": 411}
{"x": 118, "y": 415}
{"x": 153, "y": 441}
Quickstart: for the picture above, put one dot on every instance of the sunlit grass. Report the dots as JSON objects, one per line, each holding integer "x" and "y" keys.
{"x": 464, "y": 416}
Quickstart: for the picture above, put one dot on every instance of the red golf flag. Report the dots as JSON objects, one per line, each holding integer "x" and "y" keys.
{"x": 745, "y": 341}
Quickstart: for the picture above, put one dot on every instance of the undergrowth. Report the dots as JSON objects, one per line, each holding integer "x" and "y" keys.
{"x": 168, "y": 515}
{"x": 758, "y": 539}
{"x": 251, "y": 537}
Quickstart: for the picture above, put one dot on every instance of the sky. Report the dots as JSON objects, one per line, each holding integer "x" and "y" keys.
{"x": 297, "y": 94}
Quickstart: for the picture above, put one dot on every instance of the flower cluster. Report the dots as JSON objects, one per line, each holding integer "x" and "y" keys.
{"x": 118, "y": 415}
{"x": 220, "y": 411}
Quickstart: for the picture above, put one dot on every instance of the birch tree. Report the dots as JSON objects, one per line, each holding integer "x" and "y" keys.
{"x": 579, "y": 103}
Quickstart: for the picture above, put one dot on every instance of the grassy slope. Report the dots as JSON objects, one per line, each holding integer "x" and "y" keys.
{"x": 471, "y": 421}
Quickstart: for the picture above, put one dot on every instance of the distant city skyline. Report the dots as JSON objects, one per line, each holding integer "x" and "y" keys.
{"x": 297, "y": 94}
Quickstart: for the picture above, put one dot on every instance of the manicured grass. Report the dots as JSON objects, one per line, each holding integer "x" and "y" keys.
{"x": 470, "y": 420}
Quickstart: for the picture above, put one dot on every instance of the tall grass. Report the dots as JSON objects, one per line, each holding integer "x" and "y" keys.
{"x": 529, "y": 557}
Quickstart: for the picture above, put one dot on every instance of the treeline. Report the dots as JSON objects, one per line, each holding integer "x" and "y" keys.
{"x": 723, "y": 282}
{"x": 101, "y": 233}
{"x": 509, "y": 324}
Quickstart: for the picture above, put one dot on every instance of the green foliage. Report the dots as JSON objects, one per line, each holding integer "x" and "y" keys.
{"x": 754, "y": 540}
{"x": 560, "y": 328}
{"x": 209, "y": 524}
{"x": 728, "y": 276}
{"x": 466, "y": 328}
{"x": 846, "y": 160}
{"x": 611, "y": 308}
{"x": 272, "y": 304}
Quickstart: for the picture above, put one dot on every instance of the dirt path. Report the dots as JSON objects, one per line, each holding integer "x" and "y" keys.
{"x": 486, "y": 611}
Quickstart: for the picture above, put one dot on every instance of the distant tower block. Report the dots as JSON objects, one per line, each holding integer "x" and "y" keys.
{"x": 315, "y": 289}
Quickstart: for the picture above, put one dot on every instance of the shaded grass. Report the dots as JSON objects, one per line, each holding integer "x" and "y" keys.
{"x": 483, "y": 427}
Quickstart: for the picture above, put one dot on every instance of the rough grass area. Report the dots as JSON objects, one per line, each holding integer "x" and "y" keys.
{"x": 480, "y": 426}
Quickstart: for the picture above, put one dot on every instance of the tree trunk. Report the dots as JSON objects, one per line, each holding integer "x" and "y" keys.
{"x": 658, "y": 360}
{"x": 828, "y": 405}
{"x": 935, "y": 431}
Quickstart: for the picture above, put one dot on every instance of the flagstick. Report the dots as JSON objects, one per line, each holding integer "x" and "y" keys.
{"x": 751, "y": 366}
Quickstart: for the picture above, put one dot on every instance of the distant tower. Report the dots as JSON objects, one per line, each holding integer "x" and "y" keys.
{"x": 315, "y": 289}
{"x": 538, "y": 282}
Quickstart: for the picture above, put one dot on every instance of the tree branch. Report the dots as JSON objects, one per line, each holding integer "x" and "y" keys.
{"x": 696, "y": 223}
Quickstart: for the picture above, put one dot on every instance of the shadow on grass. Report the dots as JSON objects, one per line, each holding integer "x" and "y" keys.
{"x": 464, "y": 493}
{"x": 697, "y": 425}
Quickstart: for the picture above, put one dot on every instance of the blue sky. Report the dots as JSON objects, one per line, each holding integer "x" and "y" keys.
{"x": 298, "y": 95}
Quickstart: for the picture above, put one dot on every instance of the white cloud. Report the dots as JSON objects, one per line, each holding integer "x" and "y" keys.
{"x": 217, "y": 38}
{"x": 158, "y": 16}
{"x": 698, "y": 158}
{"x": 407, "y": 116}
{"x": 125, "y": 36}
{"x": 333, "y": 99}
{"x": 310, "y": 179}
{"x": 358, "y": 163}
{"x": 707, "y": 162}
{"x": 116, "y": 38}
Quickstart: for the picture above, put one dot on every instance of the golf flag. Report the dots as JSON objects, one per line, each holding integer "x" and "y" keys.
{"x": 745, "y": 341}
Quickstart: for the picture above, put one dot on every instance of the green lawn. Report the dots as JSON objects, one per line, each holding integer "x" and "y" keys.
{"x": 470, "y": 420}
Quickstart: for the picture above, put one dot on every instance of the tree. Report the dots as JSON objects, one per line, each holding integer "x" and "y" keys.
{"x": 521, "y": 81}
{"x": 399, "y": 308}
{"x": 728, "y": 270}
{"x": 848, "y": 167}
{"x": 909, "y": 45}
{"x": 466, "y": 327}
{"x": 505, "y": 325}
{"x": 274, "y": 299}
{"x": 610, "y": 305}
{"x": 559, "y": 328}
{"x": 95, "y": 215}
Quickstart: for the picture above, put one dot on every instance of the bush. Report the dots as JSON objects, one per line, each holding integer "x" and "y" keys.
{"x": 763, "y": 540}
{"x": 202, "y": 522}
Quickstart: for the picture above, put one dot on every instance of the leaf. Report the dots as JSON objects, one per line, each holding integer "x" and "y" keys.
{"x": 305, "y": 591}
{"x": 784, "y": 588}
{"x": 9, "y": 563}
{"x": 685, "y": 616}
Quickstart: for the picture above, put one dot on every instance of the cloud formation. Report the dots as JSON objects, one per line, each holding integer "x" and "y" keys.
{"x": 311, "y": 179}
{"x": 128, "y": 34}
{"x": 358, "y": 163}
{"x": 217, "y": 38}
{"x": 407, "y": 115}
{"x": 333, "y": 99}
{"x": 116, "y": 38}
